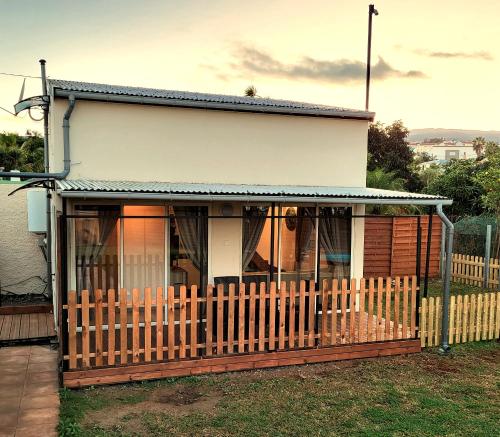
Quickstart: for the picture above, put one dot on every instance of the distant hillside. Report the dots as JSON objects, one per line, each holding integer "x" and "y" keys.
{"x": 453, "y": 134}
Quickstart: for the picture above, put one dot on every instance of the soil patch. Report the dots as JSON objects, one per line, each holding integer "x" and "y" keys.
{"x": 184, "y": 395}
{"x": 179, "y": 400}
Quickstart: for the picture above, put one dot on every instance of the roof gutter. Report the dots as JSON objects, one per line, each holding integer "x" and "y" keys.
{"x": 162, "y": 101}
{"x": 445, "y": 347}
{"x": 67, "y": 160}
{"x": 249, "y": 198}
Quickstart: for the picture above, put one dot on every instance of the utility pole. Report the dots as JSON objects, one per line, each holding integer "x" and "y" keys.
{"x": 371, "y": 12}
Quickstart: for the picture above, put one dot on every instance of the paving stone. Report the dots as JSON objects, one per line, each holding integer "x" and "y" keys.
{"x": 8, "y": 432}
{"x": 45, "y": 401}
{"x": 43, "y": 358}
{"x": 10, "y": 404}
{"x": 8, "y": 391}
{"x": 39, "y": 377}
{"x": 38, "y": 416}
{"x": 43, "y": 388}
{"x": 15, "y": 350}
{"x": 21, "y": 360}
{"x": 29, "y": 400}
{"x": 45, "y": 430}
{"x": 13, "y": 369}
{"x": 8, "y": 420}
{"x": 40, "y": 367}
{"x": 12, "y": 378}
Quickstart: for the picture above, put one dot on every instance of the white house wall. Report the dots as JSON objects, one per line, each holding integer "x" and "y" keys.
{"x": 111, "y": 141}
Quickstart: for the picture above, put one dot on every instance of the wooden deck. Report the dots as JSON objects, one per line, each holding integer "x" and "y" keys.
{"x": 24, "y": 327}
{"x": 118, "y": 337}
{"x": 261, "y": 360}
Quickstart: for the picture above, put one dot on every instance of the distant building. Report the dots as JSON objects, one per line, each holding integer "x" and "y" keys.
{"x": 446, "y": 150}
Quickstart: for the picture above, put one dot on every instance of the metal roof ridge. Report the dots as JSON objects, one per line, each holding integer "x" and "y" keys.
{"x": 211, "y": 100}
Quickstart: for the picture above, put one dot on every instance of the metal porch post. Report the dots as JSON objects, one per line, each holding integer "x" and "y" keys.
{"x": 445, "y": 347}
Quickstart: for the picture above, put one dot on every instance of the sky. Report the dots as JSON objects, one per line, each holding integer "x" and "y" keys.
{"x": 435, "y": 63}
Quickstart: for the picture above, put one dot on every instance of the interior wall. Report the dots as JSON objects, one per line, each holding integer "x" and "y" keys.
{"x": 357, "y": 242}
{"x": 225, "y": 257}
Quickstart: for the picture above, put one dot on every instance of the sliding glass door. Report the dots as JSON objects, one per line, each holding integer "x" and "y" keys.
{"x": 96, "y": 247}
{"x": 335, "y": 228}
{"x": 140, "y": 246}
{"x": 188, "y": 245}
{"x": 143, "y": 247}
{"x": 296, "y": 243}
{"x": 259, "y": 245}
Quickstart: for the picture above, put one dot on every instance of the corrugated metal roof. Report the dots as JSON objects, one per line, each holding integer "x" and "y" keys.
{"x": 313, "y": 192}
{"x": 209, "y": 101}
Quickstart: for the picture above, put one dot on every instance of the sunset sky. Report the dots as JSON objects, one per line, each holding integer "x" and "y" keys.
{"x": 435, "y": 63}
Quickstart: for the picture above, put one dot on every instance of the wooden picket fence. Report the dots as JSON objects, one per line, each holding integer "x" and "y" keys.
{"x": 102, "y": 271}
{"x": 109, "y": 329}
{"x": 472, "y": 317}
{"x": 467, "y": 269}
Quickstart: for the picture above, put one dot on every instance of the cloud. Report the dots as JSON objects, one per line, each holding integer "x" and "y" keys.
{"x": 486, "y": 56}
{"x": 342, "y": 70}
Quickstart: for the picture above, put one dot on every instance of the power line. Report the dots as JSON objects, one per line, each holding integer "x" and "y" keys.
{"x": 20, "y": 75}
{"x": 6, "y": 110}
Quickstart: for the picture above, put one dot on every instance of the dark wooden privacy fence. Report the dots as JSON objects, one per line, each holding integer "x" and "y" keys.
{"x": 122, "y": 328}
{"x": 391, "y": 246}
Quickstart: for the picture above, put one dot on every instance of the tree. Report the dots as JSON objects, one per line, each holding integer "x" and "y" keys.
{"x": 489, "y": 180}
{"x": 491, "y": 149}
{"x": 429, "y": 174}
{"x": 478, "y": 144}
{"x": 458, "y": 181}
{"x": 24, "y": 153}
{"x": 251, "y": 91}
{"x": 379, "y": 178}
{"x": 388, "y": 149}
{"x": 421, "y": 157}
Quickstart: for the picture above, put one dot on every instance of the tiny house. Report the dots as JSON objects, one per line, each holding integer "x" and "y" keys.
{"x": 202, "y": 232}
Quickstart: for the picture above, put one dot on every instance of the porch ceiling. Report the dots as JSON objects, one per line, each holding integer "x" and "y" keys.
{"x": 84, "y": 188}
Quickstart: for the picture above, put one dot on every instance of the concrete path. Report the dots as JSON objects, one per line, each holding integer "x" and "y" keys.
{"x": 29, "y": 399}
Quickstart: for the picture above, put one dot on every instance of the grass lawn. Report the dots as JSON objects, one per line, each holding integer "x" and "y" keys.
{"x": 436, "y": 288}
{"x": 423, "y": 394}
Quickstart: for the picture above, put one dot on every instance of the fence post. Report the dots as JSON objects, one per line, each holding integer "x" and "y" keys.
{"x": 487, "y": 249}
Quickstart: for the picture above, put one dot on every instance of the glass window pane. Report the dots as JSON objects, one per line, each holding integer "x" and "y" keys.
{"x": 189, "y": 246}
{"x": 143, "y": 247}
{"x": 256, "y": 245}
{"x": 298, "y": 242}
{"x": 335, "y": 242}
{"x": 97, "y": 247}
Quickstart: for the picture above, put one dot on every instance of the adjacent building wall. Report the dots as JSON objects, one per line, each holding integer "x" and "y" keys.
{"x": 111, "y": 141}
{"x": 20, "y": 255}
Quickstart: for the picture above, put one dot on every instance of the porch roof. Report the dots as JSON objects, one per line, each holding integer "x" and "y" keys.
{"x": 84, "y": 188}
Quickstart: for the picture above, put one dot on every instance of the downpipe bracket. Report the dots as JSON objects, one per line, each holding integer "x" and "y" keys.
{"x": 444, "y": 350}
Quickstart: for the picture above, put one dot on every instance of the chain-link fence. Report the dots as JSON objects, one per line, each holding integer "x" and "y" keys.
{"x": 470, "y": 236}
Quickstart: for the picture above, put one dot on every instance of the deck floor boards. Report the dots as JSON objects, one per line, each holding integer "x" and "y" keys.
{"x": 26, "y": 326}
